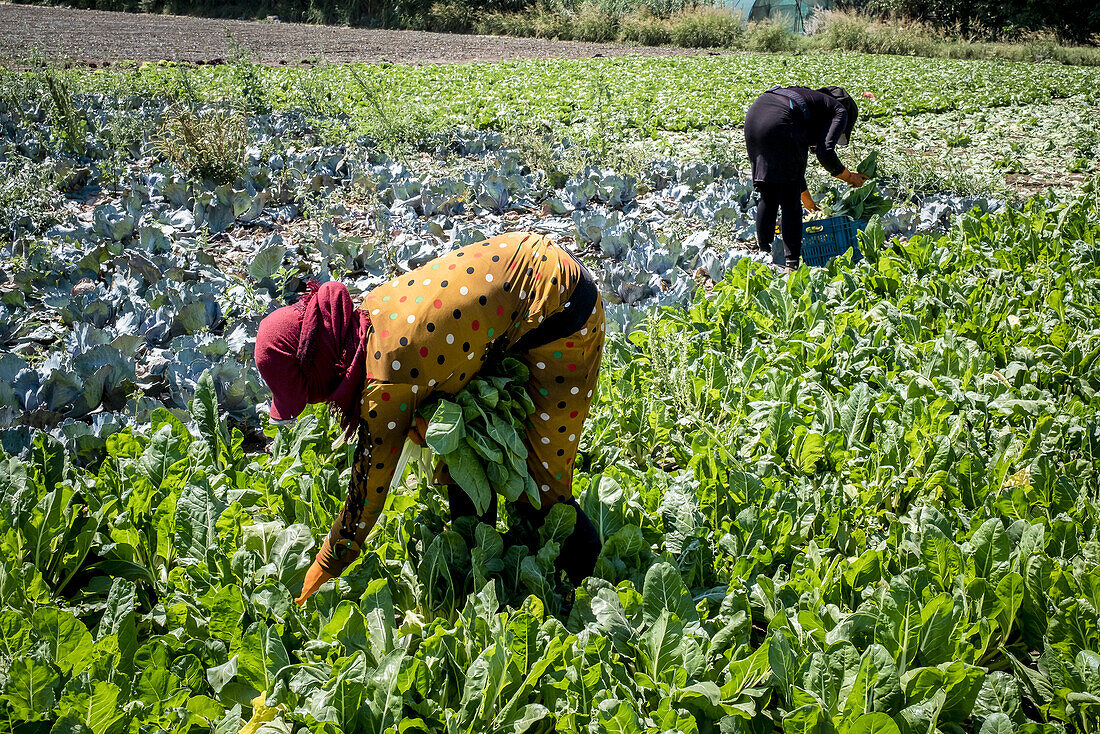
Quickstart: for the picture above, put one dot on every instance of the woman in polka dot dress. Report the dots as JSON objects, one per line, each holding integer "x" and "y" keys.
{"x": 425, "y": 334}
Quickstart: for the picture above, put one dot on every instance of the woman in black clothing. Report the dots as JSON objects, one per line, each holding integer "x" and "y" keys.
{"x": 781, "y": 127}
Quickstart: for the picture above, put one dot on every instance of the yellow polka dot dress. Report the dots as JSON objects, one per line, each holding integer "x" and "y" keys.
{"x": 434, "y": 327}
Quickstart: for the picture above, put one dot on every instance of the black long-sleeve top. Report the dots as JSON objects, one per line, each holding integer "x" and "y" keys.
{"x": 779, "y": 135}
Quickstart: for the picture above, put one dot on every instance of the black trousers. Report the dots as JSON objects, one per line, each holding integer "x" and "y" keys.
{"x": 578, "y": 552}
{"x": 773, "y": 197}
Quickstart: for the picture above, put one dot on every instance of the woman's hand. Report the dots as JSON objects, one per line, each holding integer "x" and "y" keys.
{"x": 418, "y": 429}
{"x": 855, "y": 180}
{"x": 315, "y": 576}
{"x": 808, "y": 202}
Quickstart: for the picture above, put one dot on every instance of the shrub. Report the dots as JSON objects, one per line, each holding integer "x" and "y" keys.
{"x": 666, "y": 8}
{"x": 1080, "y": 55}
{"x": 1040, "y": 49}
{"x": 450, "y": 17}
{"x": 770, "y": 35}
{"x": 549, "y": 24}
{"x": 522, "y": 25}
{"x": 491, "y": 24}
{"x": 851, "y": 31}
{"x": 592, "y": 23}
{"x": 893, "y": 38}
{"x": 840, "y": 31}
{"x": 208, "y": 144}
{"x": 706, "y": 28}
{"x": 645, "y": 28}
{"x": 614, "y": 8}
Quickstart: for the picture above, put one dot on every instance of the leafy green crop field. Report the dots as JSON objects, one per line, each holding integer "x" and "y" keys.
{"x": 674, "y": 93}
{"x": 858, "y": 499}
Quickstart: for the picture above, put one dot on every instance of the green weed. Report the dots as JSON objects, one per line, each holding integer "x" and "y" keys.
{"x": 206, "y": 144}
{"x": 915, "y": 174}
{"x": 394, "y": 123}
{"x": 69, "y": 124}
{"x": 248, "y": 78}
{"x": 28, "y": 199}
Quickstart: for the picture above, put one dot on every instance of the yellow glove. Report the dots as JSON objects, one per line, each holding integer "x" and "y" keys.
{"x": 808, "y": 202}
{"x": 855, "y": 180}
{"x": 315, "y": 576}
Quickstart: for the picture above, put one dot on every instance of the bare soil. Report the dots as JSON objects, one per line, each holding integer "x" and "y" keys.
{"x": 93, "y": 37}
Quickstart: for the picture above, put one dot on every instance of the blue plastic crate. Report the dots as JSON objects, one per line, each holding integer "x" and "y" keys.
{"x": 824, "y": 239}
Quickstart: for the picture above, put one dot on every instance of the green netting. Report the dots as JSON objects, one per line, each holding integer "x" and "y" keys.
{"x": 793, "y": 12}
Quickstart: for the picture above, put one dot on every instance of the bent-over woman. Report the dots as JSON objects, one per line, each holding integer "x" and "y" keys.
{"x": 781, "y": 127}
{"x": 425, "y": 334}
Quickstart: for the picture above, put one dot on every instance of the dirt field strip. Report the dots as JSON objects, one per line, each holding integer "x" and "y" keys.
{"x": 94, "y": 36}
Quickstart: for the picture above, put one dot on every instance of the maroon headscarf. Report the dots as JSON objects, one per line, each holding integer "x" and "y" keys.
{"x": 314, "y": 352}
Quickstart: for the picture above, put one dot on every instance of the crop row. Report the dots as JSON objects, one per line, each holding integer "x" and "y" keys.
{"x": 648, "y": 93}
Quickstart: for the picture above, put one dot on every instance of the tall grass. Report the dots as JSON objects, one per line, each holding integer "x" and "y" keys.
{"x": 707, "y": 26}
{"x": 592, "y": 23}
{"x": 771, "y": 36}
{"x": 686, "y": 23}
{"x": 645, "y": 28}
{"x": 834, "y": 30}
{"x": 704, "y": 27}
{"x": 840, "y": 31}
{"x": 701, "y": 25}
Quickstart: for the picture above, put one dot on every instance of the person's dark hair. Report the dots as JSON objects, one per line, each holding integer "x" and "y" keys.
{"x": 841, "y": 95}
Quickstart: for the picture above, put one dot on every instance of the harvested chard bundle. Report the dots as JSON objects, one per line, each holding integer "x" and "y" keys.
{"x": 480, "y": 435}
{"x": 864, "y": 202}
